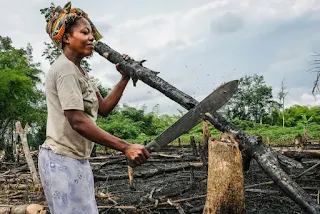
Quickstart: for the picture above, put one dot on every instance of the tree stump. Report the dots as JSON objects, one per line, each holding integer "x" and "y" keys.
{"x": 225, "y": 194}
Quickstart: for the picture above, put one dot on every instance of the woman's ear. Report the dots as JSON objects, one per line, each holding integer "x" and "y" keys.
{"x": 65, "y": 38}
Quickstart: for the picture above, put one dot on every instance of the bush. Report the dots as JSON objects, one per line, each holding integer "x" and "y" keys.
{"x": 124, "y": 129}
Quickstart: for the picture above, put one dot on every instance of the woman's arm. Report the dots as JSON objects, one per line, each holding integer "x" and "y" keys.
{"x": 108, "y": 103}
{"x": 85, "y": 127}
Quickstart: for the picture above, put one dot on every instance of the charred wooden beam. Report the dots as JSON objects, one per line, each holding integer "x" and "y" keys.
{"x": 252, "y": 146}
{"x": 138, "y": 72}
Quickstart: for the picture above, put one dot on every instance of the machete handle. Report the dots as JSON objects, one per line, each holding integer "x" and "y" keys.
{"x": 131, "y": 163}
{"x": 151, "y": 147}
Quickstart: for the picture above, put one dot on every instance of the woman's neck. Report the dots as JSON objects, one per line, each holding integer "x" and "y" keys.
{"x": 75, "y": 58}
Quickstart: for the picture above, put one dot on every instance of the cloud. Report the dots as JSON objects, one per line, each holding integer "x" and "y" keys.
{"x": 302, "y": 98}
{"x": 196, "y": 45}
{"x": 228, "y": 22}
{"x": 310, "y": 100}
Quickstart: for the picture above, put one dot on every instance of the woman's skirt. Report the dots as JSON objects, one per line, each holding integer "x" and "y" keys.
{"x": 67, "y": 183}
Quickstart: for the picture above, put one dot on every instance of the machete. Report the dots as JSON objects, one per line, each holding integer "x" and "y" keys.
{"x": 211, "y": 103}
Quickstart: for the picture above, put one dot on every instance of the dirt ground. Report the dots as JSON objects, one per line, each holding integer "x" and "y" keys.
{"x": 157, "y": 181}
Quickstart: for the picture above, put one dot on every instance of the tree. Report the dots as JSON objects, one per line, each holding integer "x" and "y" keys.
{"x": 20, "y": 97}
{"x": 282, "y": 95}
{"x": 252, "y": 101}
{"x": 316, "y": 68}
{"x": 299, "y": 115}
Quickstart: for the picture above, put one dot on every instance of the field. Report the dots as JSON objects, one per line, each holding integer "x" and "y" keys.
{"x": 174, "y": 175}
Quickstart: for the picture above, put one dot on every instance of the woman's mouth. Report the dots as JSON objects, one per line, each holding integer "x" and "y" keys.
{"x": 90, "y": 45}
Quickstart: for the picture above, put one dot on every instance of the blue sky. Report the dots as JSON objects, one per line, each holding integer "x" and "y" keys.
{"x": 195, "y": 45}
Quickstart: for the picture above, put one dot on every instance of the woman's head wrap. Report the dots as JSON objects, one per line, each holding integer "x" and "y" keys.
{"x": 60, "y": 18}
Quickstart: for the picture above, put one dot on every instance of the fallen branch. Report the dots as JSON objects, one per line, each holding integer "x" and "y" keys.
{"x": 299, "y": 154}
{"x": 260, "y": 184}
{"x": 105, "y": 196}
{"x": 266, "y": 191}
{"x": 23, "y": 136}
{"x": 176, "y": 201}
{"x": 149, "y": 174}
{"x": 308, "y": 170}
{"x": 177, "y": 206}
{"x": 118, "y": 207}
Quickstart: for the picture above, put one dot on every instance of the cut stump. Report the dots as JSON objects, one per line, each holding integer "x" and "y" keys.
{"x": 225, "y": 194}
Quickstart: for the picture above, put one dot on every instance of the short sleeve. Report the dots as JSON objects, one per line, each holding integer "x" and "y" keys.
{"x": 69, "y": 92}
{"x": 94, "y": 85}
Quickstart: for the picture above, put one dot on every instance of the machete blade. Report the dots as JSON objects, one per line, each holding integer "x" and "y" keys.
{"x": 211, "y": 103}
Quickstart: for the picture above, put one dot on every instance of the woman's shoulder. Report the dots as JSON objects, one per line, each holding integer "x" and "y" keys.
{"x": 63, "y": 66}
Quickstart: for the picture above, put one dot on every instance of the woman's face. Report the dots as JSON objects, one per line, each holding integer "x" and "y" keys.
{"x": 80, "y": 39}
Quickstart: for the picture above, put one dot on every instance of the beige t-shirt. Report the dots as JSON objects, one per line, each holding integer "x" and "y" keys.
{"x": 67, "y": 88}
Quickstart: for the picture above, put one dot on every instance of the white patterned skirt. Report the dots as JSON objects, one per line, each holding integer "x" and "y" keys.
{"x": 67, "y": 183}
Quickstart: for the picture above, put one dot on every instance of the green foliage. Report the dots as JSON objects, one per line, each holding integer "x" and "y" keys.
{"x": 123, "y": 128}
{"x": 243, "y": 124}
{"x": 131, "y": 123}
{"x": 285, "y": 135}
{"x": 20, "y": 98}
{"x": 252, "y": 101}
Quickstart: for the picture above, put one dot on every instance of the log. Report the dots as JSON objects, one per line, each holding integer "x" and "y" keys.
{"x": 23, "y": 136}
{"x": 225, "y": 183}
{"x": 299, "y": 154}
{"x": 251, "y": 146}
{"x": 23, "y": 209}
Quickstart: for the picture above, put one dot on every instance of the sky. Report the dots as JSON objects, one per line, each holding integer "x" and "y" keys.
{"x": 195, "y": 45}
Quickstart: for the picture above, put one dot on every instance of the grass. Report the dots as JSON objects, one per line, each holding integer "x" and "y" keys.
{"x": 277, "y": 135}
{"x": 285, "y": 135}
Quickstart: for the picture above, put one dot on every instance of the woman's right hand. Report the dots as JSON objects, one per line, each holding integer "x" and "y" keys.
{"x": 136, "y": 153}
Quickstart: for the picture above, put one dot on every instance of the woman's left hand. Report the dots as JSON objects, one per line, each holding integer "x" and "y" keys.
{"x": 122, "y": 72}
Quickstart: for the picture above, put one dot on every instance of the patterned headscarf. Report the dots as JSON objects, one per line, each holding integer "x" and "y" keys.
{"x": 60, "y": 18}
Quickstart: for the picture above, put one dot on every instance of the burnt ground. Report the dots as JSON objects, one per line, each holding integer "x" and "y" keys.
{"x": 161, "y": 179}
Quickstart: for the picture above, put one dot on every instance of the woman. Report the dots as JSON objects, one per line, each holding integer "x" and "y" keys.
{"x": 73, "y": 104}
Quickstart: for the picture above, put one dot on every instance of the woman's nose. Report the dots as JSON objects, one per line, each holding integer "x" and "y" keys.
{"x": 91, "y": 38}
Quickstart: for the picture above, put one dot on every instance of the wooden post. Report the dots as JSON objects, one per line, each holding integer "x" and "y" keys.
{"x": 94, "y": 150}
{"x": 24, "y": 141}
{"x": 206, "y": 134}
{"x": 193, "y": 146}
{"x": 225, "y": 193}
